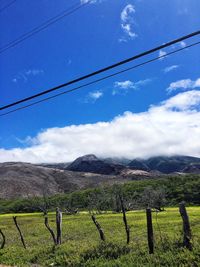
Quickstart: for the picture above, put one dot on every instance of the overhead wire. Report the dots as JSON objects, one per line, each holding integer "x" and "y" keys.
{"x": 120, "y": 63}
{"x": 43, "y": 26}
{"x": 7, "y": 6}
{"x": 101, "y": 79}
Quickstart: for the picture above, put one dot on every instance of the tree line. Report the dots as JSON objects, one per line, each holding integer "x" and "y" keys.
{"x": 157, "y": 192}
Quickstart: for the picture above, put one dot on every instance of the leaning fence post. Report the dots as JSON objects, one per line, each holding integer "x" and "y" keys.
{"x": 4, "y": 239}
{"x": 150, "y": 231}
{"x": 58, "y": 225}
{"x": 98, "y": 226}
{"x": 20, "y": 232}
{"x": 46, "y": 222}
{"x": 187, "y": 235}
{"x": 127, "y": 228}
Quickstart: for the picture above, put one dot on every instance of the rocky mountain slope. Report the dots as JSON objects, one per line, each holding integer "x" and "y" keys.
{"x": 114, "y": 166}
{"x": 19, "y": 179}
{"x": 24, "y": 179}
{"x": 167, "y": 165}
{"x": 90, "y": 163}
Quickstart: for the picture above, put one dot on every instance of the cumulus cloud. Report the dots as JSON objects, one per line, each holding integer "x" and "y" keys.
{"x": 95, "y": 95}
{"x": 170, "y": 68}
{"x": 127, "y": 22}
{"x": 184, "y": 85}
{"x": 172, "y": 127}
{"x": 183, "y": 101}
{"x": 124, "y": 86}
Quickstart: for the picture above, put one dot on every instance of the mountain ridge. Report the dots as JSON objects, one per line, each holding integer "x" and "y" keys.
{"x": 163, "y": 164}
{"x": 19, "y": 179}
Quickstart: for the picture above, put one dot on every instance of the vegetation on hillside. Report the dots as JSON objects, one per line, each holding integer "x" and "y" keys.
{"x": 158, "y": 192}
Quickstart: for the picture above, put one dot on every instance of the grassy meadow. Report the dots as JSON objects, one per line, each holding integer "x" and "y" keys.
{"x": 81, "y": 245}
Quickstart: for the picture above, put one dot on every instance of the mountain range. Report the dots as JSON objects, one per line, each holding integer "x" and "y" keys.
{"x": 18, "y": 179}
{"x": 163, "y": 164}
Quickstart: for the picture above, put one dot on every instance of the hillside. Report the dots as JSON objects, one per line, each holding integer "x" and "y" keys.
{"x": 168, "y": 165}
{"x": 19, "y": 179}
{"x": 156, "y": 191}
{"x": 114, "y": 166}
{"x": 24, "y": 179}
{"x": 90, "y": 163}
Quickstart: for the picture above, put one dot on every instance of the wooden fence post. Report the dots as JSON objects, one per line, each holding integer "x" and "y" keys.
{"x": 150, "y": 231}
{"x": 187, "y": 235}
{"x": 98, "y": 226}
{"x": 127, "y": 228}
{"x": 59, "y": 226}
{"x": 20, "y": 233}
{"x": 46, "y": 222}
{"x": 4, "y": 239}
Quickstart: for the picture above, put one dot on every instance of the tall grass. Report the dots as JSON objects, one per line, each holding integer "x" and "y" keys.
{"x": 82, "y": 247}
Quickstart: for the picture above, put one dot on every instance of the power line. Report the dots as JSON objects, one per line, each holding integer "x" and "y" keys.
{"x": 43, "y": 26}
{"x": 8, "y": 5}
{"x": 101, "y": 70}
{"x": 100, "y": 79}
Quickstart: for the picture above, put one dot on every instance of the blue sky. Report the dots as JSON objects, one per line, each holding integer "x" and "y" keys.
{"x": 99, "y": 34}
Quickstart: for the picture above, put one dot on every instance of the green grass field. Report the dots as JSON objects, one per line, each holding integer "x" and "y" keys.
{"x": 82, "y": 247}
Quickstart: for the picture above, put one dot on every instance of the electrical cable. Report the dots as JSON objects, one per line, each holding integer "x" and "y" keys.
{"x": 101, "y": 70}
{"x": 7, "y": 6}
{"x": 100, "y": 79}
{"x": 43, "y": 26}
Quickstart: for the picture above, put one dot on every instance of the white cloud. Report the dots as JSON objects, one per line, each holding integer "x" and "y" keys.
{"x": 197, "y": 83}
{"x": 92, "y": 97}
{"x": 183, "y": 101}
{"x": 89, "y": 1}
{"x": 95, "y": 95}
{"x": 33, "y": 72}
{"x": 170, "y": 68}
{"x": 26, "y": 74}
{"x": 126, "y": 13}
{"x": 184, "y": 85}
{"x": 172, "y": 127}
{"x": 181, "y": 84}
{"x": 127, "y": 29}
{"x": 182, "y": 44}
{"x": 162, "y": 54}
{"x": 124, "y": 86}
{"x": 127, "y": 22}
{"x": 143, "y": 82}
{"x": 178, "y": 45}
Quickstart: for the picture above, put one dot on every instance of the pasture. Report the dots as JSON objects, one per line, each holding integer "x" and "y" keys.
{"x": 81, "y": 245}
